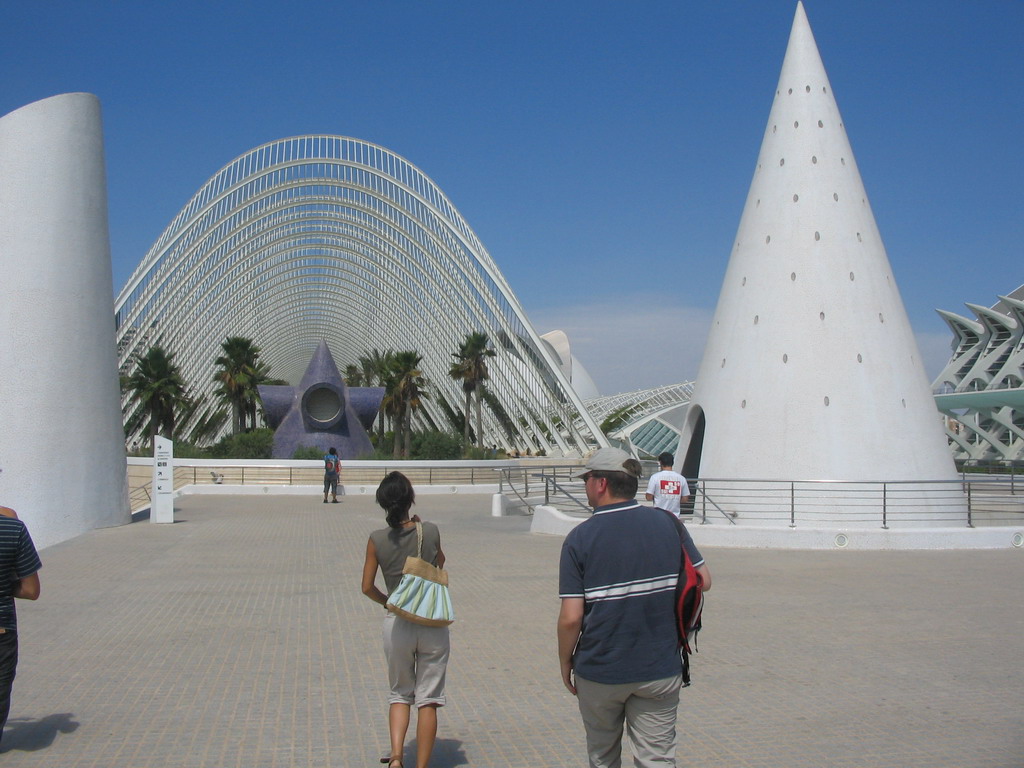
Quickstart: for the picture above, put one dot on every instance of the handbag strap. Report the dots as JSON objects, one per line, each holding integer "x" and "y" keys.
{"x": 419, "y": 540}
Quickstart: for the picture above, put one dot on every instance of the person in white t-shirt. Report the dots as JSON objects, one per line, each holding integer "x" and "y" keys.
{"x": 668, "y": 489}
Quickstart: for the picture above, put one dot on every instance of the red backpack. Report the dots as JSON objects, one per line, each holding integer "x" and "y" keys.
{"x": 689, "y": 603}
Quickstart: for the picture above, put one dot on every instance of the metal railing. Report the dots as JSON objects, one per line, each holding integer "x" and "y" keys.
{"x": 972, "y": 502}
{"x": 288, "y": 475}
{"x": 1001, "y": 469}
{"x": 528, "y": 486}
{"x": 976, "y": 499}
{"x": 512, "y": 475}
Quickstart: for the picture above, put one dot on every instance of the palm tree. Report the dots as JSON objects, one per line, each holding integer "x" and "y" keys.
{"x": 353, "y": 375}
{"x": 470, "y": 367}
{"x": 368, "y": 370}
{"x": 405, "y": 394}
{"x": 159, "y": 390}
{"x": 241, "y": 372}
{"x": 376, "y": 367}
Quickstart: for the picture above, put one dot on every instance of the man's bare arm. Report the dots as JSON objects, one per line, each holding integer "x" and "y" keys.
{"x": 27, "y": 588}
{"x": 705, "y": 574}
{"x": 570, "y": 622}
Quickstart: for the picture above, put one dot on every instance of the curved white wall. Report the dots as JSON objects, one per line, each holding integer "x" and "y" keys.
{"x": 61, "y": 444}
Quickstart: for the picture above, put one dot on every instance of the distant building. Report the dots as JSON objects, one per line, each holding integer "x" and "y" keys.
{"x": 980, "y": 389}
{"x": 331, "y": 238}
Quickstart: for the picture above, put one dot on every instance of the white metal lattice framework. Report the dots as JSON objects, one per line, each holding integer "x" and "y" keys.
{"x": 649, "y": 419}
{"x": 330, "y": 237}
{"x": 981, "y": 389}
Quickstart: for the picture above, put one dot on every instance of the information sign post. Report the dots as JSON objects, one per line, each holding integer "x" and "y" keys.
{"x": 162, "y": 504}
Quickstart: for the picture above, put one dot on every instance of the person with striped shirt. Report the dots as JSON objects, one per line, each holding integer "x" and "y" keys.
{"x": 618, "y": 646}
{"x": 19, "y": 577}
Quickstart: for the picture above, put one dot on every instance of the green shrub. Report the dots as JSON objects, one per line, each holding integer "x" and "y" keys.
{"x": 436, "y": 445}
{"x": 308, "y": 452}
{"x": 256, "y": 444}
{"x": 183, "y": 450}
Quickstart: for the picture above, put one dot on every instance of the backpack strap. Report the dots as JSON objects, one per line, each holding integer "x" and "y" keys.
{"x": 680, "y": 617}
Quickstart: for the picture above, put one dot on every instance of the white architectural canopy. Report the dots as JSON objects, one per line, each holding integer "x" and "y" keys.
{"x": 981, "y": 388}
{"x": 331, "y": 238}
{"x": 811, "y": 370}
{"x": 646, "y": 422}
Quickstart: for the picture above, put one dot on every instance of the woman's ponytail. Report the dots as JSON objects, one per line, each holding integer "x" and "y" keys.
{"x": 396, "y": 496}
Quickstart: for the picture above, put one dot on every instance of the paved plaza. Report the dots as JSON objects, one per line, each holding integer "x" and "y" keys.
{"x": 239, "y": 637}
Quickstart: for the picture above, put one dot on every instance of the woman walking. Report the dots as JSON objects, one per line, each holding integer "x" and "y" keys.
{"x": 417, "y": 655}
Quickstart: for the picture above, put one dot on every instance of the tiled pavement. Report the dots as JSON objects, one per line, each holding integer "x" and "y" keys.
{"x": 238, "y": 637}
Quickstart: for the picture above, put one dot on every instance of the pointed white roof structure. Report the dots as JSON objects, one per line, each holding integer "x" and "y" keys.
{"x": 811, "y": 370}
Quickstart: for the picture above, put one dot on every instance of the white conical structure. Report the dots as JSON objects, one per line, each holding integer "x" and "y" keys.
{"x": 811, "y": 371}
{"x": 62, "y": 464}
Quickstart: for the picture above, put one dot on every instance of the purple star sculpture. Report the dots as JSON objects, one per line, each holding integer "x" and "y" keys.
{"x": 322, "y": 412}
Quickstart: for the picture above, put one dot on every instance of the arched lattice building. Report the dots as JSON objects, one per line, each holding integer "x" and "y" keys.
{"x": 333, "y": 238}
{"x": 981, "y": 389}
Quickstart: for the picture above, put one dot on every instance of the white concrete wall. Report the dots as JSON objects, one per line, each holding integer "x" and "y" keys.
{"x": 811, "y": 370}
{"x": 62, "y": 461}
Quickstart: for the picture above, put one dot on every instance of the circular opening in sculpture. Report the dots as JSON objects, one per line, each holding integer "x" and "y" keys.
{"x": 323, "y": 404}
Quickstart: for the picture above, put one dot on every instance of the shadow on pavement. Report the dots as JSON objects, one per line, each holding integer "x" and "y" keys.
{"x": 32, "y": 735}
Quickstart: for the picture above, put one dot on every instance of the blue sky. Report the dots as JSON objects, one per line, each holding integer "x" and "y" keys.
{"x": 602, "y": 151}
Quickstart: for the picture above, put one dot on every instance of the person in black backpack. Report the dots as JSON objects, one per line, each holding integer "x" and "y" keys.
{"x": 618, "y": 639}
{"x": 332, "y": 474}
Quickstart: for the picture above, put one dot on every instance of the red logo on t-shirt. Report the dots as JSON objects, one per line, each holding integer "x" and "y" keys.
{"x": 670, "y": 487}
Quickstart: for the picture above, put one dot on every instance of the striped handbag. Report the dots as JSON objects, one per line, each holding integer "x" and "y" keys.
{"x": 422, "y": 595}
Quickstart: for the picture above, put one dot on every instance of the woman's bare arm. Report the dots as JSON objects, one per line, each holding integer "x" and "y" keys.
{"x": 370, "y": 575}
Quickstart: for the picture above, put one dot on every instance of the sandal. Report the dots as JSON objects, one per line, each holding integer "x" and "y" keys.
{"x": 392, "y": 762}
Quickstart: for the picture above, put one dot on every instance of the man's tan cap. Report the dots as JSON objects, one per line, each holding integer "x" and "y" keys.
{"x": 610, "y": 460}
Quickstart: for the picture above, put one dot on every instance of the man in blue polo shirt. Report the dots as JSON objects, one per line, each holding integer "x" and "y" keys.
{"x": 617, "y": 641}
